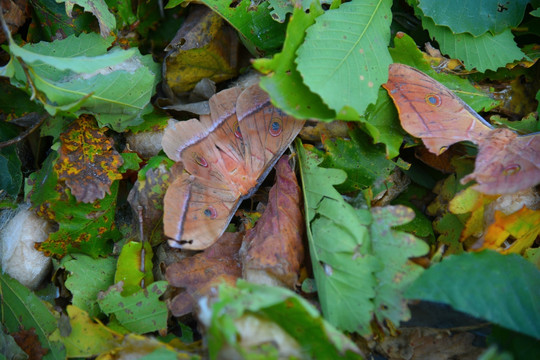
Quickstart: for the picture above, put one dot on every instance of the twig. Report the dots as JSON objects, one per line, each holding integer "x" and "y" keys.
{"x": 24, "y": 133}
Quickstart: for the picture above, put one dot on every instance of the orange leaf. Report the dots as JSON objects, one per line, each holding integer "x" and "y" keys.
{"x": 523, "y": 225}
{"x": 88, "y": 162}
{"x": 272, "y": 250}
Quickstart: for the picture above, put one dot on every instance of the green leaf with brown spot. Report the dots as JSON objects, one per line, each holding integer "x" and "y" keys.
{"x": 83, "y": 228}
{"x": 141, "y": 312}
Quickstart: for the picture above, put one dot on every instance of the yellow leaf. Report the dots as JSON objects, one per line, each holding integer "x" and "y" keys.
{"x": 523, "y": 226}
{"x": 86, "y": 338}
{"x": 474, "y": 202}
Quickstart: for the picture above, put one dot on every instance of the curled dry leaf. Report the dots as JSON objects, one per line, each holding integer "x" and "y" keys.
{"x": 198, "y": 273}
{"x": 272, "y": 251}
{"x": 88, "y": 162}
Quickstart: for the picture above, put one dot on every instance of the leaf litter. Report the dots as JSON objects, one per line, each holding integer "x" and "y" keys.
{"x": 364, "y": 252}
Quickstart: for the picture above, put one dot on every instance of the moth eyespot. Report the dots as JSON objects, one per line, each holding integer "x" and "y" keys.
{"x": 276, "y": 127}
{"x": 511, "y": 170}
{"x": 433, "y": 99}
{"x": 210, "y": 212}
{"x": 237, "y": 132}
{"x": 200, "y": 160}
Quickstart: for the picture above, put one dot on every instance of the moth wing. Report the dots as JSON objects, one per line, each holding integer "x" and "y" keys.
{"x": 225, "y": 134}
{"x": 430, "y": 111}
{"x": 506, "y": 163}
{"x": 196, "y": 213}
{"x": 190, "y": 142}
{"x": 270, "y": 129}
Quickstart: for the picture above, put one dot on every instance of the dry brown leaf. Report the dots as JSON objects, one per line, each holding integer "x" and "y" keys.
{"x": 197, "y": 274}
{"x": 273, "y": 251}
{"x": 29, "y": 342}
{"x": 14, "y": 14}
{"x": 427, "y": 343}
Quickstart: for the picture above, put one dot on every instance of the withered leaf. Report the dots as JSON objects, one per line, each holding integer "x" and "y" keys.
{"x": 272, "y": 251}
{"x": 204, "y": 47}
{"x": 88, "y": 162}
{"x": 148, "y": 192}
{"x": 198, "y": 273}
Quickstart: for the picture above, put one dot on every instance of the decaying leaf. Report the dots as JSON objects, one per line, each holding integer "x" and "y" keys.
{"x": 148, "y": 191}
{"x": 428, "y": 343}
{"x": 489, "y": 220}
{"x": 28, "y": 341}
{"x": 87, "y": 162}
{"x": 204, "y": 47}
{"x": 83, "y": 228}
{"x": 272, "y": 251}
{"x": 198, "y": 273}
{"x": 14, "y": 15}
